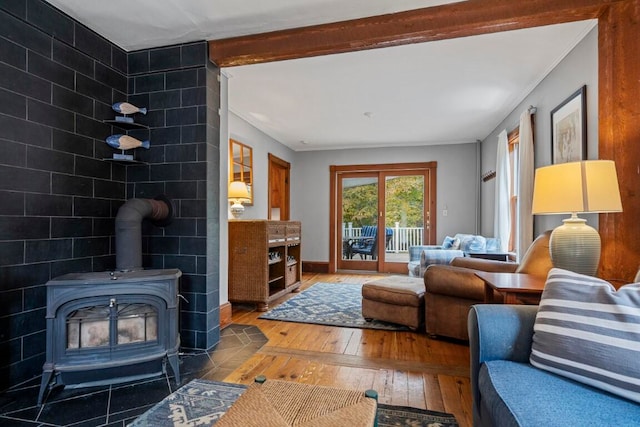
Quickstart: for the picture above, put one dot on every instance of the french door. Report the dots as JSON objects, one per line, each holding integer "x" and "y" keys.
{"x": 378, "y": 211}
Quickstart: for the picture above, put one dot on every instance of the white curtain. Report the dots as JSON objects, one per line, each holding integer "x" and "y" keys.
{"x": 524, "y": 235}
{"x": 502, "y": 216}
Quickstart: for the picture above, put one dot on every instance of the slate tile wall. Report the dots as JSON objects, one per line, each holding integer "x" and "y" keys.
{"x": 172, "y": 83}
{"x": 212, "y": 294}
{"x": 58, "y": 197}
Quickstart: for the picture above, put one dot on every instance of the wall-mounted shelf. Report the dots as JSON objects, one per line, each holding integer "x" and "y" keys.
{"x": 126, "y": 125}
{"x": 125, "y": 161}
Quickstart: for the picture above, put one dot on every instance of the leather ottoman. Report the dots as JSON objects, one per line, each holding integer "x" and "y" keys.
{"x": 395, "y": 299}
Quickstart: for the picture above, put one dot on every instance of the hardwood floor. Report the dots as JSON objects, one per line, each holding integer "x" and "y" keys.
{"x": 406, "y": 368}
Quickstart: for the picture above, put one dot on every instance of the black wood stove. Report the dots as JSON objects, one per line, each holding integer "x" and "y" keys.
{"x": 110, "y": 327}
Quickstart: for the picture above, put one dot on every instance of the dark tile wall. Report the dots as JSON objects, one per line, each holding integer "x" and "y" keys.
{"x": 212, "y": 294}
{"x": 172, "y": 83}
{"x": 58, "y": 197}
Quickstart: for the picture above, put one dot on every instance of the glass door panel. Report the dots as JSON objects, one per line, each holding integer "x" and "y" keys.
{"x": 404, "y": 217}
{"x": 358, "y": 219}
{"x": 378, "y": 212}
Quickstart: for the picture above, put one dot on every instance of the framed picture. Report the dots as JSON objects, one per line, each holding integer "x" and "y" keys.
{"x": 569, "y": 128}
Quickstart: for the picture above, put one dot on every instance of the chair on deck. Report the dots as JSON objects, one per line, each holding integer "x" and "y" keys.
{"x": 367, "y": 243}
{"x": 389, "y": 236}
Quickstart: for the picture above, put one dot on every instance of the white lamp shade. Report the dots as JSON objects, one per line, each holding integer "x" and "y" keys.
{"x": 238, "y": 191}
{"x": 588, "y": 186}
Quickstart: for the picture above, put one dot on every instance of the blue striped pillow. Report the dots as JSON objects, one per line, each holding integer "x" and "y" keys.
{"x": 586, "y": 331}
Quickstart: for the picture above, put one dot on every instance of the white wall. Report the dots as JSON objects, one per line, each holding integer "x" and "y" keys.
{"x": 262, "y": 144}
{"x": 456, "y": 178}
{"x": 578, "y": 68}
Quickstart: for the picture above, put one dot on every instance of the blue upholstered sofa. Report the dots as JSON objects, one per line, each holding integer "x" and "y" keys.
{"x": 508, "y": 391}
{"x": 420, "y": 257}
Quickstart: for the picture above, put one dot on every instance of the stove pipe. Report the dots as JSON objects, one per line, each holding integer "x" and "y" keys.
{"x": 129, "y": 228}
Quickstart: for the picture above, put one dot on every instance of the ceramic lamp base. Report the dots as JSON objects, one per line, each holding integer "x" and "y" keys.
{"x": 237, "y": 209}
{"x": 575, "y": 246}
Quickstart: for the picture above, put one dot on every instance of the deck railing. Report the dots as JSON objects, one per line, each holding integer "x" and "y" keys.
{"x": 402, "y": 237}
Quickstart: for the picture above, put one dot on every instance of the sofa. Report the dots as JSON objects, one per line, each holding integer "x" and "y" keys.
{"x": 451, "y": 290}
{"x": 421, "y": 256}
{"x": 585, "y": 380}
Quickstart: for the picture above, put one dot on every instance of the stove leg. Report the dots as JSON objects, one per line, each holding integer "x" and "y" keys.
{"x": 174, "y": 361}
{"x": 46, "y": 379}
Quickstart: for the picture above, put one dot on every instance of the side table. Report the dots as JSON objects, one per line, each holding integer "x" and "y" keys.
{"x": 517, "y": 288}
{"x": 495, "y": 256}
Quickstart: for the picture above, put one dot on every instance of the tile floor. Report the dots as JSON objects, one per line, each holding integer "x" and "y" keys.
{"x": 119, "y": 404}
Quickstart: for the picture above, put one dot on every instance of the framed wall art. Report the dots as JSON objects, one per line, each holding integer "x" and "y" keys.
{"x": 569, "y": 128}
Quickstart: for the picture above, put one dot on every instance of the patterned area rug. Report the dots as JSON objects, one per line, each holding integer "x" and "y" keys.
{"x": 334, "y": 304}
{"x": 202, "y": 403}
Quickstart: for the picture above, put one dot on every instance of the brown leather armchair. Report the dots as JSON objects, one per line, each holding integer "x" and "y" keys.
{"x": 451, "y": 290}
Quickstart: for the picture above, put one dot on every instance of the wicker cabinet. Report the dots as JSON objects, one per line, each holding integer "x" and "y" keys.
{"x": 264, "y": 260}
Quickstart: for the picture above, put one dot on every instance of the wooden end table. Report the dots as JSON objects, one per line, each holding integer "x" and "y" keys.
{"x": 495, "y": 256}
{"x": 516, "y": 288}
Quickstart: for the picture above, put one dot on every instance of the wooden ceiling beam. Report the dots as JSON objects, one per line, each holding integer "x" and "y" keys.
{"x": 462, "y": 19}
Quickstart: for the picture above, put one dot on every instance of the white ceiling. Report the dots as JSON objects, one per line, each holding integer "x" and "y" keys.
{"x": 451, "y": 91}
{"x": 141, "y": 24}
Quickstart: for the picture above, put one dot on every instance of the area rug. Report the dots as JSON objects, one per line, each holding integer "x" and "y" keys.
{"x": 334, "y": 304}
{"x": 202, "y": 403}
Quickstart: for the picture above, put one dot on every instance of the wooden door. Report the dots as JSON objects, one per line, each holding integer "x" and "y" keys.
{"x": 279, "y": 172}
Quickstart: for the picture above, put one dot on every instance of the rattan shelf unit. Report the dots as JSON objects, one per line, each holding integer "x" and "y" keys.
{"x": 264, "y": 260}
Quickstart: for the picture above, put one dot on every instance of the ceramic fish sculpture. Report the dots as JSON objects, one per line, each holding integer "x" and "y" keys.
{"x": 126, "y": 108}
{"x": 126, "y": 142}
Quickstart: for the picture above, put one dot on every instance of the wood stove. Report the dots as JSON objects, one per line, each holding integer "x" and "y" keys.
{"x": 110, "y": 327}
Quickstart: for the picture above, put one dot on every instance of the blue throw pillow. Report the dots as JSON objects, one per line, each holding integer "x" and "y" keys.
{"x": 493, "y": 244}
{"x": 587, "y": 331}
{"x": 448, "y": 242}
{"x": 473, "y": 243}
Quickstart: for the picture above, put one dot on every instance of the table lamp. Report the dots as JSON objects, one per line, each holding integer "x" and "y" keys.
{"x": 238, "y": 193}
{"x": 576, "y": 187}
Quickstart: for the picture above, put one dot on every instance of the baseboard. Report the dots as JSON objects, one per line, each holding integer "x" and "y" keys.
{"x": 225, "y": 315}
{"x": 315, "y": 267}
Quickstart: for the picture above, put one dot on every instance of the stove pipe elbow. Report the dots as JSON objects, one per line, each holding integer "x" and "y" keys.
{"x": 129, "y": 228}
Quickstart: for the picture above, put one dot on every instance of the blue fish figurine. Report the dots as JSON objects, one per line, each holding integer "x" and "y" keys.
{"x": 126, "y": 142}
{"x": 126, "y": 108}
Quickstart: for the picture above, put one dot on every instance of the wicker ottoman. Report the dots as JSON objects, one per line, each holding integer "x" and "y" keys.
{"x": 396, "y": 299}
{"x": 274, "y": 403}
